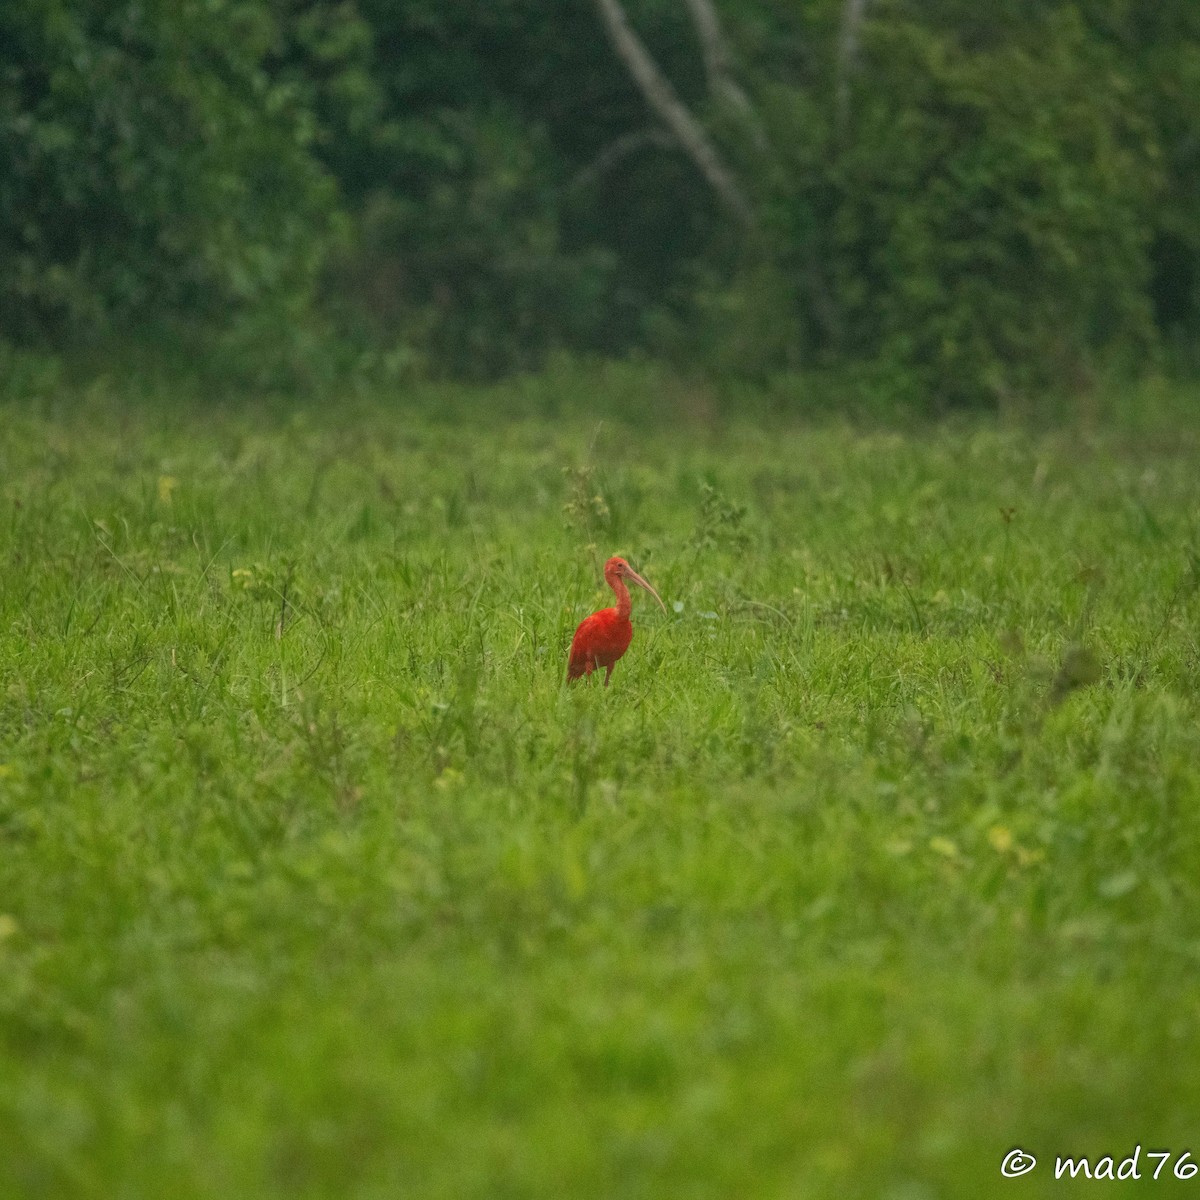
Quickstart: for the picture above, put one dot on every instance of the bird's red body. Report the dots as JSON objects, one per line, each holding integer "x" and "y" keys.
{"x": 603, "y": 637}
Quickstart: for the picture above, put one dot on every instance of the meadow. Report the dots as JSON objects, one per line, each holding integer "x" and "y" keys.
{"x": 878, "y": 859}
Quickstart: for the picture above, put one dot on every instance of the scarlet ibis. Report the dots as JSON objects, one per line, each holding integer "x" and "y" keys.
{"x": 603, "y": 637}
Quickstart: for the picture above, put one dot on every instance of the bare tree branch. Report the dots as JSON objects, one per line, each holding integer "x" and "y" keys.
{"x": 713, "y": 47}
{"x": 853, "y": 14}
{"x": 662, "y": 99}
{"x": 718, "y": 66}
{"x": 622, "y": 147}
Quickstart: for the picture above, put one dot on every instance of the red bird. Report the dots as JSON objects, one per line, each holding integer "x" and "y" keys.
{"x": 604, "y": 636}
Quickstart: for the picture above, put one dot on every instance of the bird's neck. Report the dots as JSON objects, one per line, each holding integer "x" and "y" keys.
{"x": 624, "y": 603}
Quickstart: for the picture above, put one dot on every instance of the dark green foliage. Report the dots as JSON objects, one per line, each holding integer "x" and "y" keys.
{"x": 469, "y": 261}
{"x": 984, "y": 202}
{"x": 150, "y": 164}
{"x": 990, "y": 228}
{"x": 463, "y": 154}
{"x": 1160, "y": 47}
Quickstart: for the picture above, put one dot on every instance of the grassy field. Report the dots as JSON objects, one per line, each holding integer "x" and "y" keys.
{"x": 880, "y": 856}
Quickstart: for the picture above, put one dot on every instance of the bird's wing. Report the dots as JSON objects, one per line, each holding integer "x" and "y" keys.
{"x": 583, "y": 650}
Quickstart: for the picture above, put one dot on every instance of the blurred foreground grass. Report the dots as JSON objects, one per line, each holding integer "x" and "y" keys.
{"x": 878, "y": 858}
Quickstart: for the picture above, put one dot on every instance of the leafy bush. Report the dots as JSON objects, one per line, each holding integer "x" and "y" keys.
{"x": 981, "y": 226}
{"x": 151, "y": 164}
{"x": 469, "y": 263}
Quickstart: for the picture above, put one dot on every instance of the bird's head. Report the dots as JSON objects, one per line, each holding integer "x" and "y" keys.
{"x": 618, "y": 568}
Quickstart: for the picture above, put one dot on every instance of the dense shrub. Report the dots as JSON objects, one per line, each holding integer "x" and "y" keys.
{"x": 150, "y": 164}
{"x": 990, "y": 230}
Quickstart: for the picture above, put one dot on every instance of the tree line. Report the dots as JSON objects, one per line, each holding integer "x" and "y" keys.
{"x": 957, "y": 201}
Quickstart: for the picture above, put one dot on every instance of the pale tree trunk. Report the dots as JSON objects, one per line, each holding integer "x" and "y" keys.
{"x": 674, "y": 114}
{"x": 853, "y": 14}
{"x": 718, "y": 67}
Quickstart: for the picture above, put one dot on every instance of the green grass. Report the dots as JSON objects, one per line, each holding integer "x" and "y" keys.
{"x": 880, "y": 856}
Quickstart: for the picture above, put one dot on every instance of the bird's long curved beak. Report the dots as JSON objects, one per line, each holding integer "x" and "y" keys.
{"x": 634, "y": 577}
